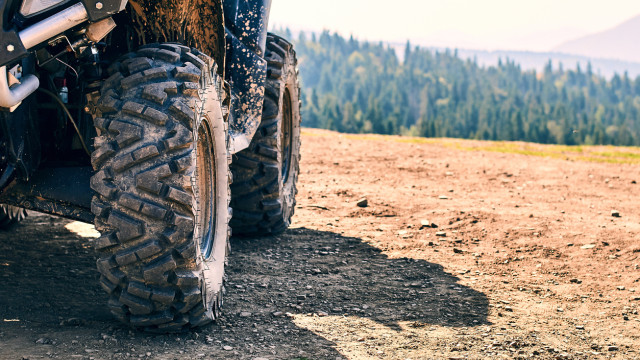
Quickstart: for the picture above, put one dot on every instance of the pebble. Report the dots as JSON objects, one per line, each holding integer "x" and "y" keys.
{"x": 441, "y": 233}
{"x": 588, "y": 246}
{"x": 580, "y": 327}
{"x": 260, "y": 358}
{"x": 363, "y": 203}
{"x": 425, "y": 224}
{"x": 620, "y": 287}
{"x": 442, "y": 197}
{"x": 227, "y": 348}
{"x": 322, "y": 314}
{"x": 245, "y": 314}
{"x": 612, "y": 348}
{"x": 560, "y": 309}
{"x": 576, "y": 281}
{"x": 277, "y": 313}
{"x": 301, "y": 297}
{"x": 615, "y": 213}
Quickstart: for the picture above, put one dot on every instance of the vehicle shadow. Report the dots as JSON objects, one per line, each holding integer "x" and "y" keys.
{"x": 50, "y": 301}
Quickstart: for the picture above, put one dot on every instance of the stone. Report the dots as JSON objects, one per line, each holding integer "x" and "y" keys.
{"x": 588, "y": 246}
{"x": 441, "y": 233}
{"x": 615, "y": 213}
{"x": 227, "y": 348}
{"x": 245, "y": 314}
{"x": 363, "y": 203}
{"x": 425, "y": 224}
{"x": 612, "y": 348}
{"x": 442, "y": 197}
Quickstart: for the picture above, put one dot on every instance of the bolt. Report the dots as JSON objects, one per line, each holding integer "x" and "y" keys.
{"x": 10, "y": 48}
{"x": 86, "y": 109}
{"x": 98, "y": 5}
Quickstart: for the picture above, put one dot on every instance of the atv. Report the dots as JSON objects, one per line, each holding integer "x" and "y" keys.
{"x": 137, "y": 116}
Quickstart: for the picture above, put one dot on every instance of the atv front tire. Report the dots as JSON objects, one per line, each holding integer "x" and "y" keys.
{"x": 162, "y": 183}
{"x": 11, "y": 215}
{"x": 265, "y": 174}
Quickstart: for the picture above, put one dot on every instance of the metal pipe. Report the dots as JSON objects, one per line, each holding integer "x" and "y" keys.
{"x": 10, "y": 97}
{"x": 53, "y": 26}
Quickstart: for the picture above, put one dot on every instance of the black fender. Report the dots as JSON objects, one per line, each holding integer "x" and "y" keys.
{"x": 194, "y": 23}
{"x": 246, "y": 23}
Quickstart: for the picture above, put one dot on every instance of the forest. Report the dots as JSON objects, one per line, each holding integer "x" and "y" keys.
{"x": 355, "y": 86}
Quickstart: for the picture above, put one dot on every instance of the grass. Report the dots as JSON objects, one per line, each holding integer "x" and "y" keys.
{"x": 597, "y": 154}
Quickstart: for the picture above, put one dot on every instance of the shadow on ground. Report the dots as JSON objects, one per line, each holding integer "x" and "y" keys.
{"x": 50, "y": 303}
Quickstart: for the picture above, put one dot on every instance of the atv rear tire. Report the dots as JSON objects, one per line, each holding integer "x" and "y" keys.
{"x": 162, "y": 182}
{"x": 265, "y": 174}
{"x": 11, "y": 215}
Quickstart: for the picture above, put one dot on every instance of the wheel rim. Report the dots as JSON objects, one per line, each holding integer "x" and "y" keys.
{"x": 206, "y": 190}
{"x": 286, "y": 135}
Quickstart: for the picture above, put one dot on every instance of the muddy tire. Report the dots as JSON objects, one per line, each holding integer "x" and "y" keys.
{"x": 162, "y": 183}
{"x": 265, "y": 174}
{"x": 11, "y": 215}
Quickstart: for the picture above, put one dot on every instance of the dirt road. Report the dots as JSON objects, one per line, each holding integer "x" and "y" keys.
{"x": 466, "y": 250}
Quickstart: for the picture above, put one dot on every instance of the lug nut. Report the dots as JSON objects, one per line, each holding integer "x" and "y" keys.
{"x": 10, "y": 48}
{"x": 98, "y": 5}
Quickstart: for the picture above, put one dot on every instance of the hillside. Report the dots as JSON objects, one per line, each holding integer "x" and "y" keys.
{"x": 360, "y": 87}
{"x": 620, "y": 42}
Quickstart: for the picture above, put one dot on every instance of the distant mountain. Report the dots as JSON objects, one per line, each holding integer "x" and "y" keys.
{"x": 529, "y": 60}
{"x": 620, "y": 42}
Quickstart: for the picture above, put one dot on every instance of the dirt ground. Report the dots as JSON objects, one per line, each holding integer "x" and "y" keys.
{"x": 526, "y": 261}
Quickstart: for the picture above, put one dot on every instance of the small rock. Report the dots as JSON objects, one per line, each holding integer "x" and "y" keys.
{"x": 425, "y": 224}
{"x": 576, "y": 281}
{"x": 227, "y": 348}
{"x": 588, "y": 246}
{"x": 363, "y": 203}
{"x": 245, "y": 314}
{"x": 277, "y": 313}
{"x": 72, "y": 322}
{"x": 457, "y": 251}
{"x": 301, "y": 297}
{"x": 560, "y": 310}
{"x": 322, "y": 314}
{"x": 615, "y": 213}
{"x": 441, "y": 233}
{"x": 612, "y": 348}
{"x": 580, "y": 327}
{"x": 442, "y": 197}
{"x": 260, "y": 358}
{"x": 620, "y": 287}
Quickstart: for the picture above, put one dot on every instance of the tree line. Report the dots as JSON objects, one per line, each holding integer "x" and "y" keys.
{"x": 362, "y": 87}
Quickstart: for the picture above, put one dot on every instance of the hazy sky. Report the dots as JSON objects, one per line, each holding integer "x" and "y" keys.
{"x": 536, "y": 25}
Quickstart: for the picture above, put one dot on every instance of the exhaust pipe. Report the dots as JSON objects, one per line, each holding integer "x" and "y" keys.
{"x": 11, "y": 97}
{"x": 54, "y": 25}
